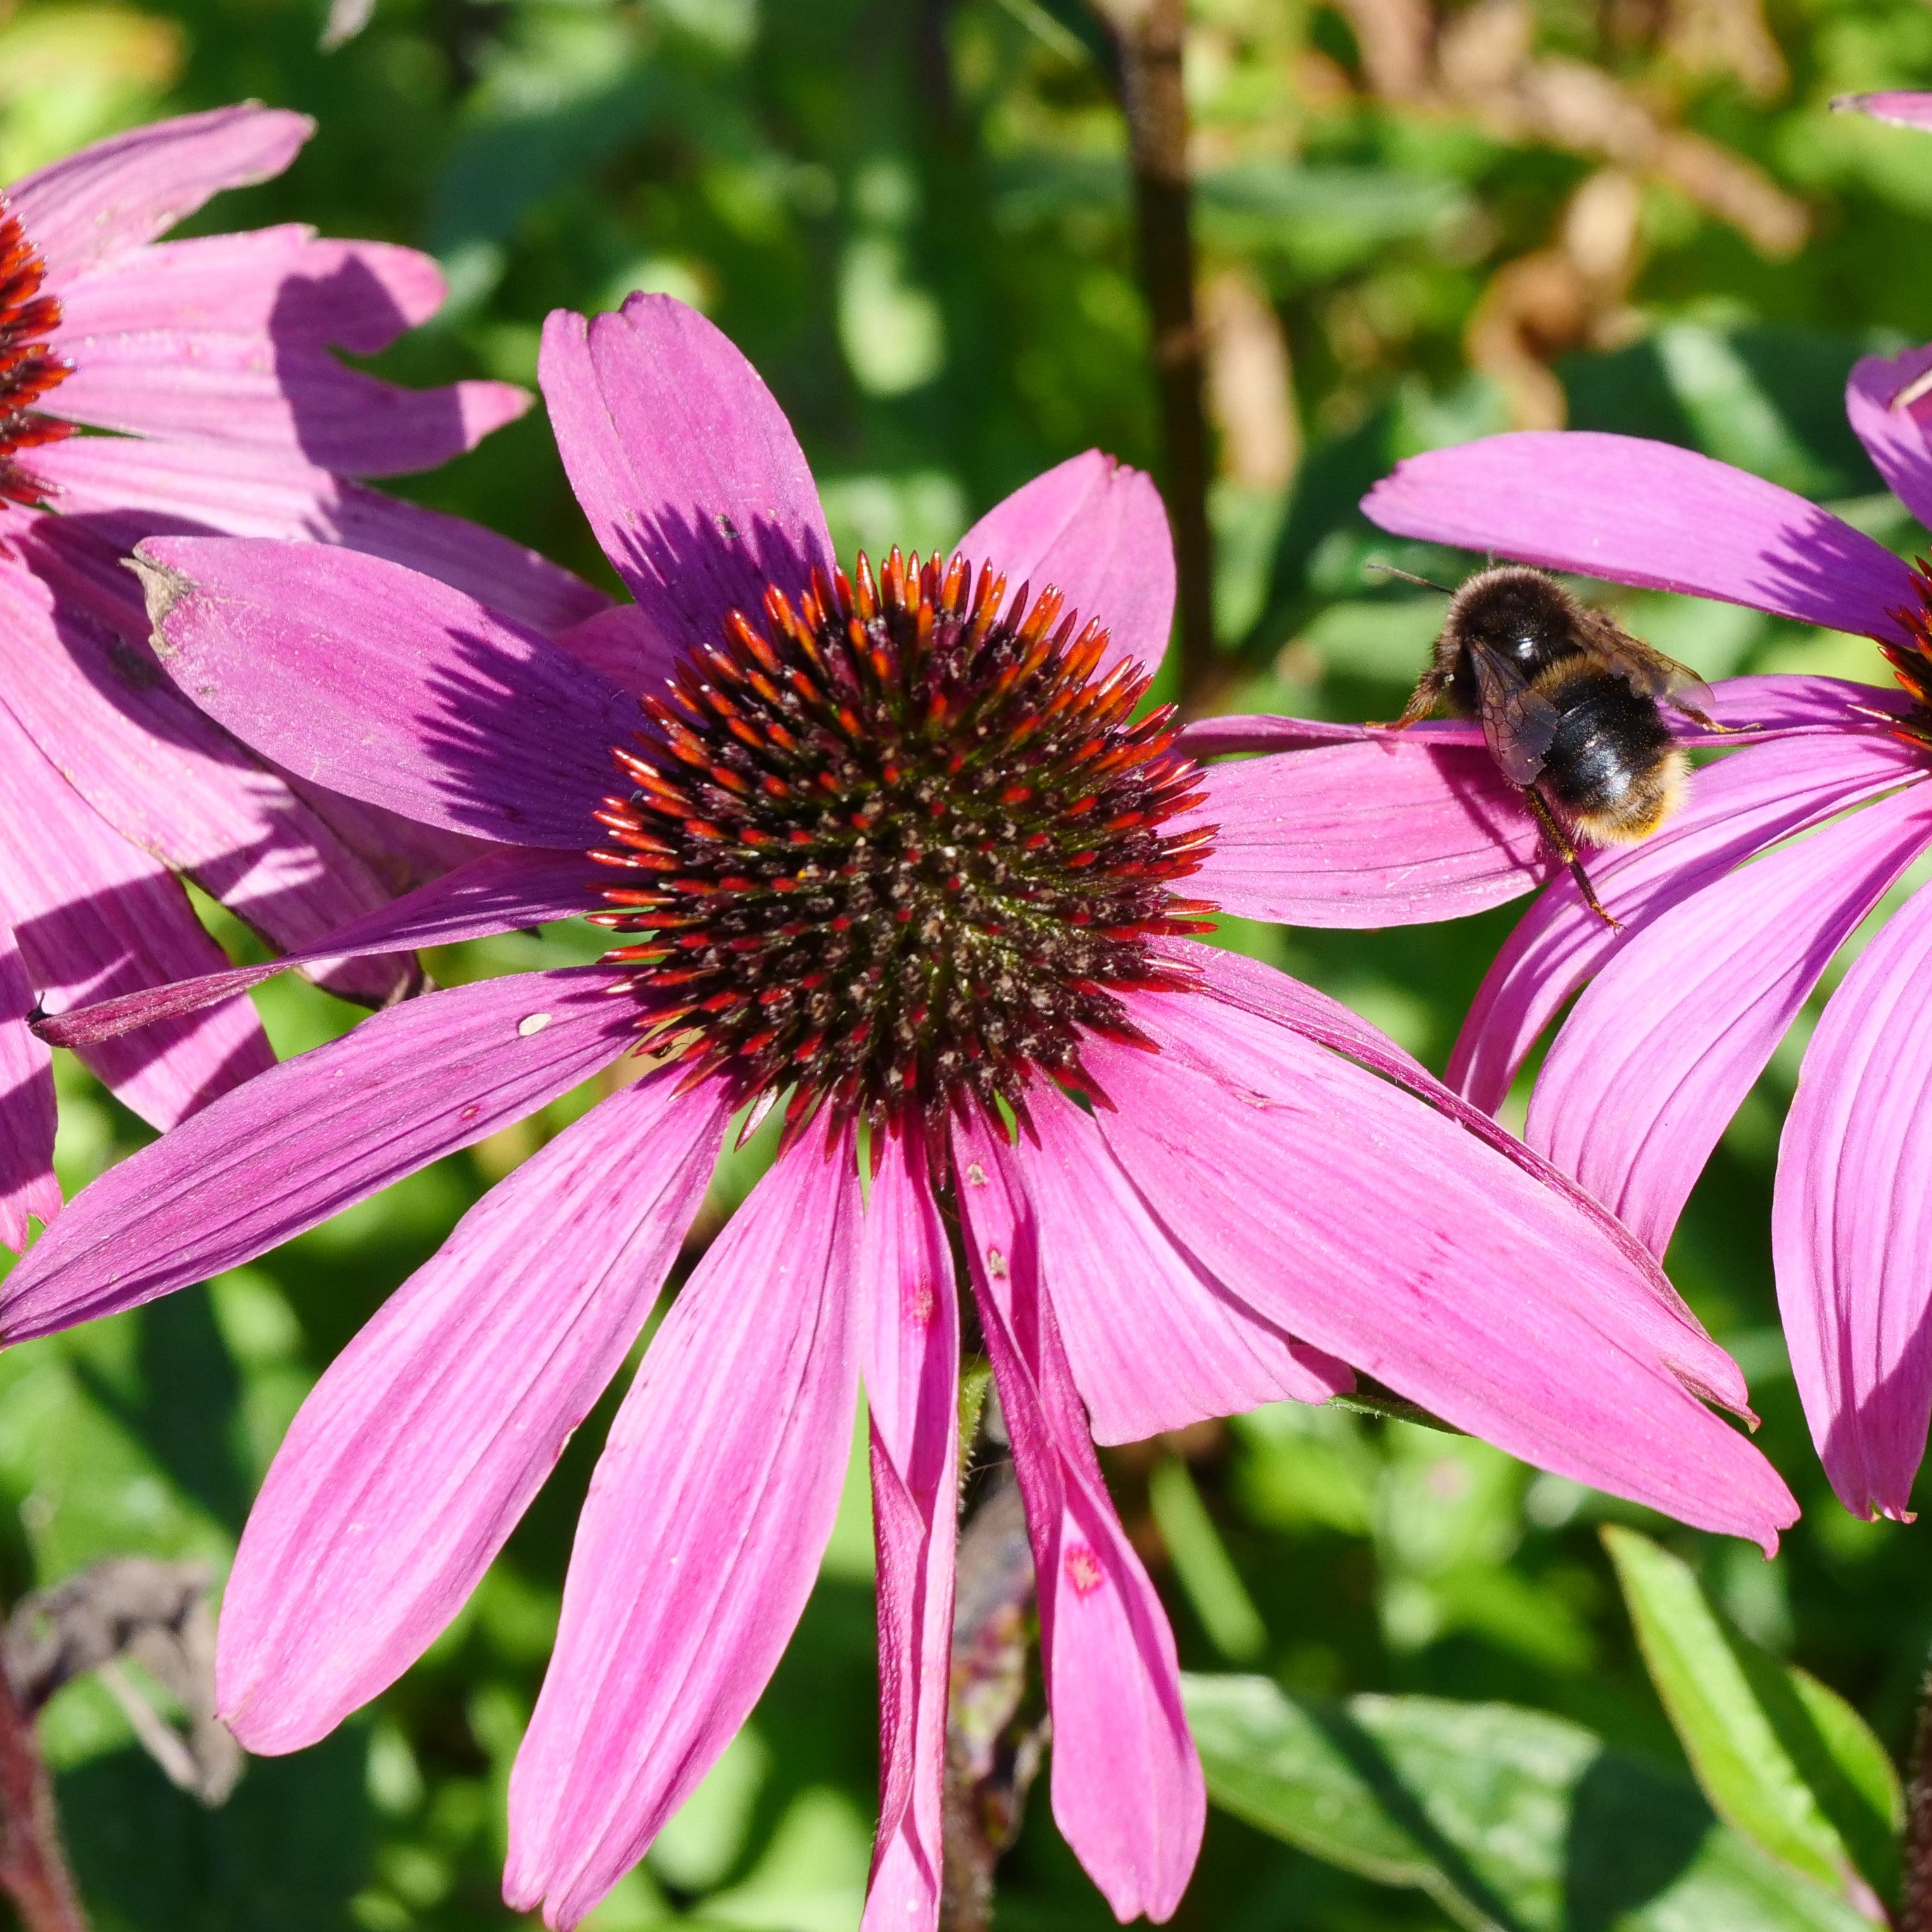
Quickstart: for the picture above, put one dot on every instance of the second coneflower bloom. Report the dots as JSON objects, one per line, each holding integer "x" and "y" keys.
{"x": 897, "y": 855}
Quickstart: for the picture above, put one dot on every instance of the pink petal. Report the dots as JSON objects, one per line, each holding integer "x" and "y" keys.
{"x": 684, "y": 464}
{"x": 1901, "y": 107}
{"x": 911, "y": 1345}
{"x": 164, "y": 775}
{"x": 1383, "y": 1233}
{"x": 122, "y": 192}
{"x": 621, "y": 644}
{"x": 1127, "y": 1790}
{"x": 1098, "y": 530}
{"x": 1209, "y": 737}
{"x": 1852, "y": 1219}
{"x": 505, "y": 890}
{"x": 312, "y": 1136}
{"x": 1784, "y": 706}
{"x": 1245, "y": 991}
{"x": 364, "y": 677}
{"x": 1640, "y": 512}
{"x": 94, "y": 916}
{"x": 1389, "y": 832}
{"x": 1894, "y": 437}
{"x": 701, "y": 1539}
{"x": 415, "y": 1456}
{"x": 1152, "y": 1342}
{"x": 287, "y": 282}
{"x": 27, "y": 1182}
{"x": 129, "y": 487}
{"x": 246, "y": 389}
{"x": 1672, "y": 1034}
{"x": 1750, "y": 800}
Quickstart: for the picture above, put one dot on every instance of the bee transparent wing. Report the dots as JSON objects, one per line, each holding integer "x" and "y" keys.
{"x": 1648, "y": 672}
{"x": 1518, "y": 723}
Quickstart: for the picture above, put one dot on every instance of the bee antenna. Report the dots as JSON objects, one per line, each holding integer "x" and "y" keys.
{"x": 1408, "y": 576}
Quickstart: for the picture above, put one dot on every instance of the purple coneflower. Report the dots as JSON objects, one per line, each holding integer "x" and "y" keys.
{"x": 1728, "y": 917}
{"x": 212, "y": 360}
{"x": 895, "y": 854}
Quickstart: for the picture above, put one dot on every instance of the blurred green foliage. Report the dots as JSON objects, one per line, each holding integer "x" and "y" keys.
{"x": 913, "y": 215}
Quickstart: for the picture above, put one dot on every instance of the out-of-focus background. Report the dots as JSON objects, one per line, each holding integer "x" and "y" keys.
{"x": 1415, "y": 224}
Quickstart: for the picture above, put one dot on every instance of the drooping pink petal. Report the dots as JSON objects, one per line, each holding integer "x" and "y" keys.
{"x": 1098, "y": 530}
{"x": 1852, "y": 1222}
{"x": 911, "y": 1366}
{"x": 312, "y": 1136}
{"x": 1660, "y": 1051}
{"x": 621, "y": 644}
{"x": 287, "y": 282}
{"x": 162, "y": 773}
{"x": 126, "y": 190}
{"x": 1152, "y": 1342}
{"x": 129, "y": 487}
{"x": 1319, "y": 1189}
{"x": 684, "y": 463}
{"x": 1388, "y": 831}
{"x": 250, "y": 390}
{"x": 1892, "y": 426}
{"x": 701, "y": 1539}
{"x": 1635, "y": 511}
{"x": 1903, "y": 107}
{"x": 416, "y": 1454}
{"x": 506, "y": 890}
{"x": 27, "y": 1182}
{"x": 1737, "y": 808}
{"x": 358, "y": 674}
{"x": 1245, "y": 990}
{"x": 94, "y": 916}
{"x": 1127, "y": 1790}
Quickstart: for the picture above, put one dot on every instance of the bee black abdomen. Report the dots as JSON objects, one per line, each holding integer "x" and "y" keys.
{"x": 1613, "y": 771}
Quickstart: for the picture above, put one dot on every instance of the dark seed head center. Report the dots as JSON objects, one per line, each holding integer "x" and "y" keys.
{"x": 28, "y": 368}
{"x": 899, "y": 847}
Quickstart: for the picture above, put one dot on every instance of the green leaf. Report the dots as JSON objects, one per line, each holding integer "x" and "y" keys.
{"x": 1787, "y": 1761}
{"x": 1509, "y": 1820}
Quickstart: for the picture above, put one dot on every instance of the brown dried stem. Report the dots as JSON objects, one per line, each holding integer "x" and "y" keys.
{"x": 1914, "y": 1912}
{"x": 1150, "y": 34}
{"x": 33, "y": 1867}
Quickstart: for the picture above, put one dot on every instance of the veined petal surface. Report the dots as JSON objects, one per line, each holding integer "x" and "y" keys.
{"x": 684, "y": 463}
{"x": 1852, "y": 1222}
{"x": 911, "y": 1366}
{"x": 1097, "y": 529}
{"x": 355, "y": 674}
{"x": 1661, "y": 1049}
{"x": 414, "y": 1456}
{"x": 1152, "y": 1342}
{"x": 1318, "y": 1188}
{"x": 700, "y": 1538}
{"x": 1737, "y": 808}
{"x": 312, "y": 1136}
{"x": 1635, "y": 511}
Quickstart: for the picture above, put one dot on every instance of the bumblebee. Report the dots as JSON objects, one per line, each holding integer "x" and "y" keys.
{"x": 1571, "y": 707}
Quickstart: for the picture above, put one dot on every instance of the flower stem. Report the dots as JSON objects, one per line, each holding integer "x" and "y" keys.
{"x": 1150, "y": 34}
{"x": 33, "y": 1867}
{"x": 993, "y": 1744}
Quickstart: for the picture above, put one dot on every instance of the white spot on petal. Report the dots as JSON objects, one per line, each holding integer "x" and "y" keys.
{"x": 996, "y": 1264}
{"x": 531, "y": 1023}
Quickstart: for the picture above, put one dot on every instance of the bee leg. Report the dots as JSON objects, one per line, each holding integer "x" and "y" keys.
{"x": 1559, "y": 842}
{"x": 1427, "y": 694}
{"x": 1704, "y": 719}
